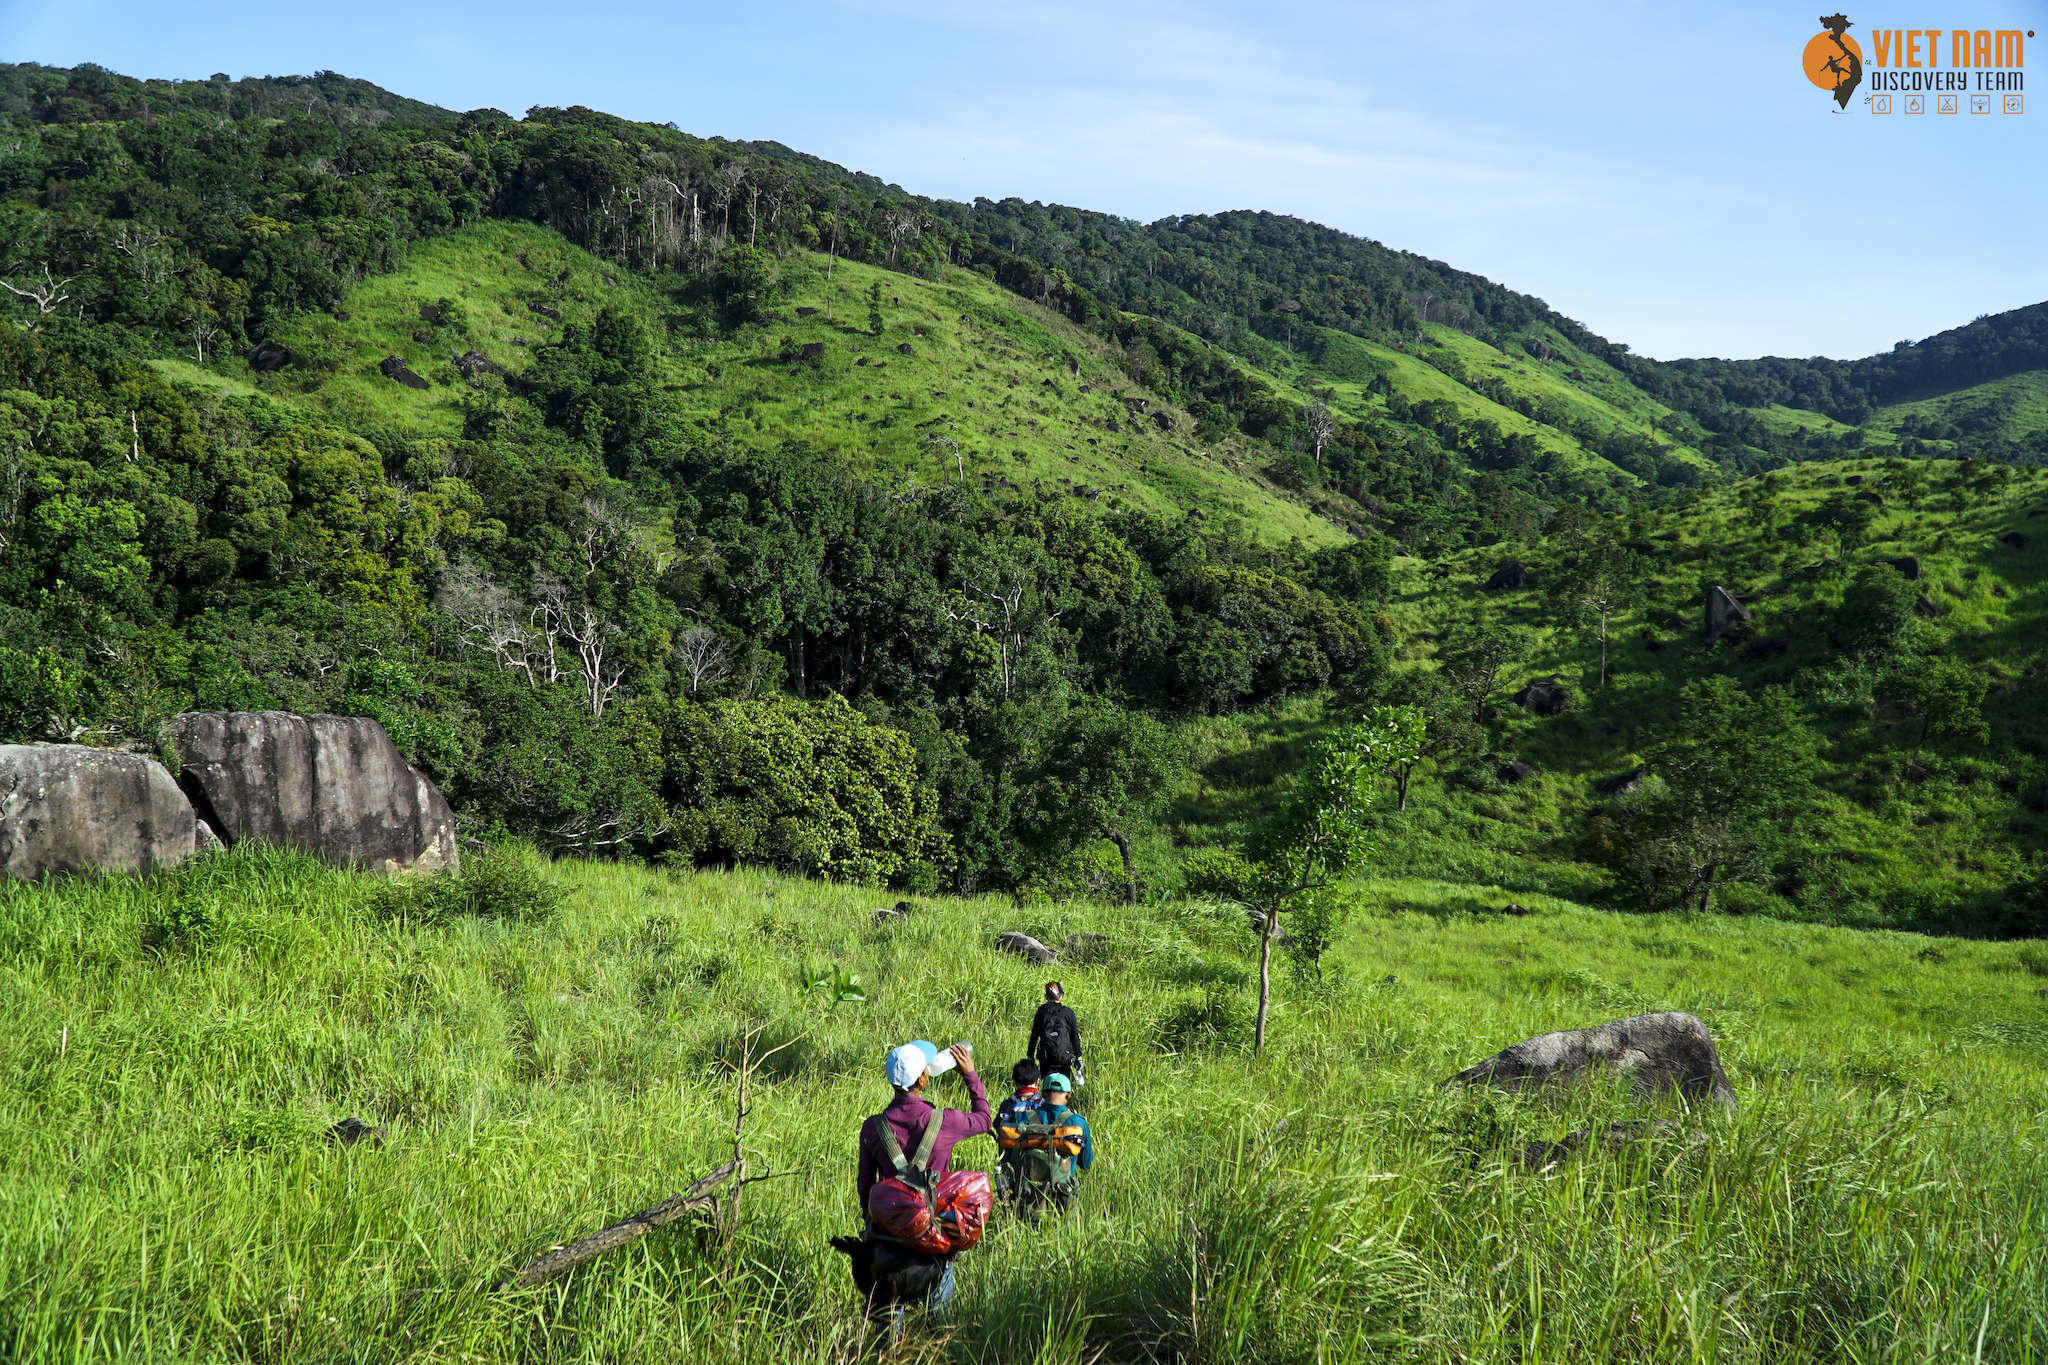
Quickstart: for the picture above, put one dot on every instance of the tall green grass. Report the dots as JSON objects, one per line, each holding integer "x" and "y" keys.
{"x": 173, "y": 1048}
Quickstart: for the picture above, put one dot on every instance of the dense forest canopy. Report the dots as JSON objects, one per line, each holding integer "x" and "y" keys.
{"x": 608, "y": 609}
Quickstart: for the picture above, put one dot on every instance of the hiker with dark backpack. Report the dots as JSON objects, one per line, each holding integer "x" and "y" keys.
{"x": 1024, "y": 1076}
{"x": 919, "y": 1215}
{"x": 1045, "y": 1147}
{"x": 1055, "y": 1034}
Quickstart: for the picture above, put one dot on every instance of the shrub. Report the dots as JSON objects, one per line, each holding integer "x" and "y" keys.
{"x": 509, "y": 883}
{"x": 1218, "y": 1020}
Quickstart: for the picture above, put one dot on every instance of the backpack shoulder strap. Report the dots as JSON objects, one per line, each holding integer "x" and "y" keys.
{"x": 887, "y": 1133}
{"x": 930, "y": 1141}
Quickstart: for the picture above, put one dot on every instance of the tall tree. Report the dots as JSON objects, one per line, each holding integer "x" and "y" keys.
{"x": 1104, "y": 774}
{"x": 1448, "y": 731}
{"x": 1320, "y": 426}
{"x": 1730, "y": 771}
{"x": 1947, "y": 697}
{"x": 1878, "y": 609}
{"x": 1594, "y": 582}
{"x": 1474, "y": 659}
{"x": 1314, "y": 840}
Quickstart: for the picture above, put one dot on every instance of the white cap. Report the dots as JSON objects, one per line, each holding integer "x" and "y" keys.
{"x": 905, "y": 1065}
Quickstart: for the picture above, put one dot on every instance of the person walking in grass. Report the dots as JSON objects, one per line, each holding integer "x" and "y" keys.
{"x": 1023, "y": 1098}
{"x": 1055, "y": 1043}
{"x": 1055, "y": 1114}
{"x": 908, "y": 1275}
{"x": 1046, "y": 1146}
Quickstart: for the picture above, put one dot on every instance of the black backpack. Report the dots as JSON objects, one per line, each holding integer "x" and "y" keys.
{"x": 1055, "y": 1042}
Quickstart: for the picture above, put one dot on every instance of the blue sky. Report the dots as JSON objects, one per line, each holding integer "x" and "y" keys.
{"x": 1665, "y": 175}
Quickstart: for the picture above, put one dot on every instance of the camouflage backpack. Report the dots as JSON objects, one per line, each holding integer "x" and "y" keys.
{"x": 1039, "y": 1147}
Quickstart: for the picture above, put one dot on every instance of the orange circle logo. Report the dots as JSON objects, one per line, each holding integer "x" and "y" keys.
{"x": 1825, "y": 62}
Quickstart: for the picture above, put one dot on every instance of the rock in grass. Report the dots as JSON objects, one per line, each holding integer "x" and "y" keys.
{"x": 395, "y": 367}
{"x": 67, "y": 809}
{"x": 1657, "y": 1053}
{"x": 1544, "y": 697}
{"x": 334, "y": 786}
{"x": 1724, "y": 614}
{"x": 1621, "y": 783}
{"x": 1510, "y": 576}
{"x": 1024, "y": 946}
{"x": 352, "y": 1130}
{"x": 268, "y": 355}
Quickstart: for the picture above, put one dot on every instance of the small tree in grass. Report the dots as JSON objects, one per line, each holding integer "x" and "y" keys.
{"x": 1733, "y": 775}
{"x": 1947, "y": 698}
{"x": 1592, "y": 585}
{"x": 1103, "y": 775}
{"x": 1473, "y": 660}
{"x": 1316, "y": 838}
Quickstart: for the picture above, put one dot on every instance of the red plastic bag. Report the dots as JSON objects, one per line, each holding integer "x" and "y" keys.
{"x": 899, "y": 1211}
{"x": 962, "y": 1200}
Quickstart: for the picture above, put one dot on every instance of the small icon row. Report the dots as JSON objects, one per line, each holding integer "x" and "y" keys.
{"x": 1945, "y": 104}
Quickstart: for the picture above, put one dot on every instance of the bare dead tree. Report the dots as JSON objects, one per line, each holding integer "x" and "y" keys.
{"x": 700, "y": 1199}
{"x": 997, "y": 602}
{"x": 1321, "y": 427}
{"x": 139, "y": 242}
{"x": 608, "y": 526}
{"x": 493, "y": 619}
{"x": 562, "y": 618}
{"x": 704, "y": 657}
{"x": 941, "y": 445}
{"x": 832, "y": 231}
{"x": 45, "y": 296}
{"x": 901, "y": 225}
{"x": 725, "y": 186}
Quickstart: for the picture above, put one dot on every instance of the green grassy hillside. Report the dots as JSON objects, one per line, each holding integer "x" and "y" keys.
{"x": 175, "y": 1047}
{"x": 1029, "y": 399}
{"x": 1880, "y": 850}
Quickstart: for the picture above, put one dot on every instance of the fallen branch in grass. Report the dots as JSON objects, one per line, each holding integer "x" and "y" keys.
{"x": 701, "y": 1198}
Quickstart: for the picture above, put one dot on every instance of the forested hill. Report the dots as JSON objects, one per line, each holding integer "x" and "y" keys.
{"x": 698, "y": 500}
{"x": 1264, "y": 287}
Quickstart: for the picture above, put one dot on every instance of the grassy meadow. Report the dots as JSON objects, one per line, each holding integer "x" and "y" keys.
{"x": 172, "y": 1049}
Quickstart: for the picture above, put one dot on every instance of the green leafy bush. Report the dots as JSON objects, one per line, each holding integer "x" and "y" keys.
{"x": 509, "y": 883}
{"x": 1218, "y": 1020}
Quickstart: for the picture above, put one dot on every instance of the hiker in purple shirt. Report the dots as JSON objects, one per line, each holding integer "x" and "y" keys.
{"x": 915, "y": 1275}
{"x": 908, "y": 1069}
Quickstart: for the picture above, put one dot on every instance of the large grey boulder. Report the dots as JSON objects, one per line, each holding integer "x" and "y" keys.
{"x": 1656, "y": 1053}
{"x": 1025, "y": 946}
{"x": 1544, "y": 697}
{"x": 67, "y": 809}
{"x": 1724, "y": 614}
{"x": 334, "y": 786}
